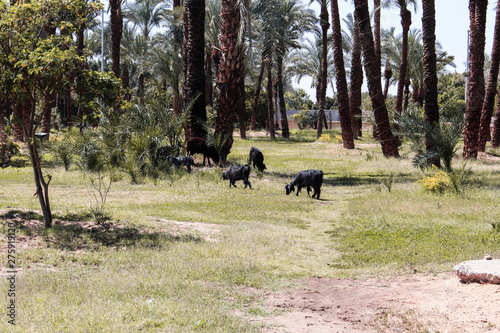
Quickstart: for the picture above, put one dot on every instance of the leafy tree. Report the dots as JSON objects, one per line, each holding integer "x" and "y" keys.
{"x": 298, "y": 100}
{"x": 30, "y": 61}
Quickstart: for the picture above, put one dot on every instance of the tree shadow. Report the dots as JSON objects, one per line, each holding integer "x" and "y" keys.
{"x": 82, "y": 234}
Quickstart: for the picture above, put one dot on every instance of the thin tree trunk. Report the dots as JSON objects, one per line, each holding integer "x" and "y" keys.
{"x": 475, "y": 93}
{"x": 376, "y": 30}
{"x": 242, "y": 114}
{"x": 253, "y": 120}
{"x": 403, "y": 67}
{"x": 270, "y": 108}
{"x": 372, "y": 69}
{"x": 285, "y": 132}
{"x": 343, "y": 95}
{"x": 430, "y": 92}
{"x": 126, "y": 82}
{"x": 356, "y": 83}
{"x": 324, "y": 68}
{"x": 387, "y": 77}
{"x": 489, "y": 98}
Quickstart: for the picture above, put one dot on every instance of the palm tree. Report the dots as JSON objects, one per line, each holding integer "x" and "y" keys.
{"x": 342, "y": 91}
{"x": 372, "y": 69}
{"x": 144, "y": 15}
{"x": 376, "y": 29}
{"x": 475, "y": 90}
{"x": 194, "y": 66}
{"x": 321, "y": 97}
{"x": 356, "y": 76}
{"x": 489, "y": 98}
{"x": 283, "y": 23}
{"x": 229, "y": 74}
{"x": 212, "y": 46}
{"x": 293, "y": 21}
{"x": 431, "y": 108}
{"x": 116, "y": 22}
{"x": 308, "y": 61}
{"x": 405, "y": 23}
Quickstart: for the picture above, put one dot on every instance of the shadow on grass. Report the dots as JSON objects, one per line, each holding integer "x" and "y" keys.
{"x": 81, "y": 234}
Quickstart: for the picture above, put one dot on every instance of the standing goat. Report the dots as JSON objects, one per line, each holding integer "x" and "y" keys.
{"x": 197, "y": 145}
{"x": 235, "y": 173}
{"x": 257, "y": 159}
{"x": 307, "y": 178}
{"x": 178, "y": 161}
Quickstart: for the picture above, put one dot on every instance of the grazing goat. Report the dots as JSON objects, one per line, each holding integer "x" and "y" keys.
{"x": 307, "y": 178}
{"x": 257, "y": 159}
{"x": 199, "y": 146}
{"x": 235, "y": 173}
{"x": 178, "y": 161}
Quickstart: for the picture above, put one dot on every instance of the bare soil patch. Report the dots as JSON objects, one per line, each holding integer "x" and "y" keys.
{"x": 416, "y": 303}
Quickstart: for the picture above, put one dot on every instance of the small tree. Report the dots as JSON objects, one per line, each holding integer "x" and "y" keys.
{"x": 444, "y": 134}
{"x": 31, "y": 60}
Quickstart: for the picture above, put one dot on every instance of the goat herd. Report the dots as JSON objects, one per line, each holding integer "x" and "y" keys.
{"x": 311, "y": 178}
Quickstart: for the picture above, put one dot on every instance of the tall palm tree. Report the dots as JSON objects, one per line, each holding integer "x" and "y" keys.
{"x": 356, "y": 76}
{"x": 144, "y": 15}
{"x": 308, "y": 61}
{"x": 194, "y": 67}
{"x": 491, "y": 91}
{"x": 116, "y": 21}
{"x": 431, "y": 108}
{"x": 325, "y": 25}
{"x": 475, "y": 90}
{"x": 293, "y": 21}
{"x": 229, "y": 73}
{"x": 372, "y": 69}
{"x": 376, "y": 29}
{"x": 340, "y": 76}
{"x": 212, "y": 46}
{"x": 405, "y": 23}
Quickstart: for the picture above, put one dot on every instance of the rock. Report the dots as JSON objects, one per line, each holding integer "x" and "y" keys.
{"x": 484, "y": 271}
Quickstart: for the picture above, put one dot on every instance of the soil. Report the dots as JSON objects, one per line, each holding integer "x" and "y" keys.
{"x": 413, "y": 303}
{"x": 416, "y": 303}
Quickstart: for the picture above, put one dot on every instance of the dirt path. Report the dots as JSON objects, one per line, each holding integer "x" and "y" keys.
{"x": 416, "y": 303}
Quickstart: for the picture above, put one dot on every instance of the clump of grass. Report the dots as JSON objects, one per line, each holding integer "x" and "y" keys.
{"x": 387, "y": 180}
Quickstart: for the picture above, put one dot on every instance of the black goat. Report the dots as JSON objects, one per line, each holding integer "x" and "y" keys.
{"x": 307, "y": 178}
{"x": 257, "y": 159}
{"x": 178, "y": 161}
{"x": 235, "y": 173}
{"x": 197, "y": 145}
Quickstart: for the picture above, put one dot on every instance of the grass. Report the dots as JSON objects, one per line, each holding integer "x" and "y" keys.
{"x": 143, "y": 274}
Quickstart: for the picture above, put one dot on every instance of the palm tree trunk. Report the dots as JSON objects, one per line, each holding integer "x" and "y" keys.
{"x": 253, "y": 120}
{"x": 356, "y": 83}
{"x": 285, "y": 132}
{"x": 194, "y": 66}
{"x": 126, "y": 82}
{"x": 325, "y": 25}
{"x": 403, "y": 67}
{"x": 242, "y": 112}
{"x": 489, "y": 98}
{"x": 372, "y": 69}
{"x": 343, "y": 97}
{"x": 229, "y": 76}
{"x": 475, "y": 93}
{"x": 270, "y": 108}
{"x": 116, "y": 22}
{"x": 431, "y": 107}
{"x": 376, "y": 30}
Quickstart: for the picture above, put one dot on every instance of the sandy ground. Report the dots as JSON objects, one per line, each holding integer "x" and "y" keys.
{"x": 416, "y": 303}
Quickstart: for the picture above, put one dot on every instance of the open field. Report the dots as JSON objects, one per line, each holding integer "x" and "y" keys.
{"x": 190, "y": 254}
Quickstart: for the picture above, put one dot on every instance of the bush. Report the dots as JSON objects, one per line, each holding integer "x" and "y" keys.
{"x": 7, "y": 149}
{"x": 306, "y": 119}
{"x": 438, "y": 182}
